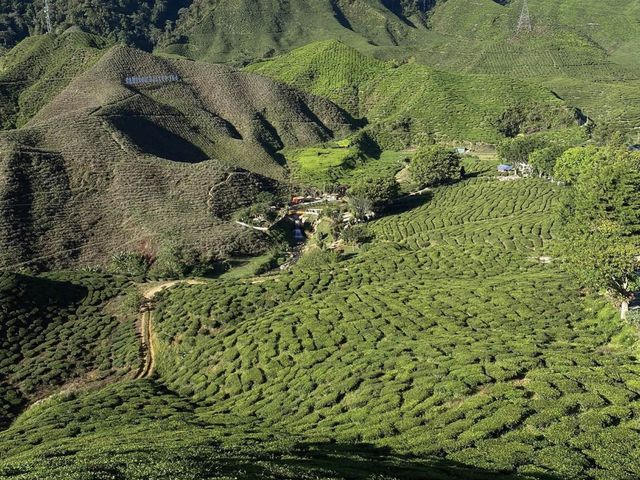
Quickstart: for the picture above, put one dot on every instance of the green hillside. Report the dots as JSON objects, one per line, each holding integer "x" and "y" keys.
{"x": 39, "y": 68}
{"x": 241, "y": 30}
{"x": 107, "y": 167}
{"x": 240, "y": 240}
{"x": 58, "y": 330}
{"x": 578, "y": 49}
{"x": 445, "y": 349}
{"x": 424, "y": 101}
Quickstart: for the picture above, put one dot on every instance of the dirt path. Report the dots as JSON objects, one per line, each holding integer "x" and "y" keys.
{"x": 145, "y": 323}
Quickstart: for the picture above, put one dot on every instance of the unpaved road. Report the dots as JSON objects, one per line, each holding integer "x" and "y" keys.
{"x": 145, "y": 323}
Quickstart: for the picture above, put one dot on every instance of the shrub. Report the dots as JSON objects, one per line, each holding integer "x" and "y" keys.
{"x": 356, "y": 235}
{"x": 316, "y": 259}
{"x": 133, "y": 264}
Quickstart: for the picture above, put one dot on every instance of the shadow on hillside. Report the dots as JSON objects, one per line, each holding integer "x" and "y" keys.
{"x": 159, "y": 141}
{"x": 40, "y": 292}
{"x": 339, "y": 461}
{"x": 406, "y": 203}
{"x": 365, "y": 461}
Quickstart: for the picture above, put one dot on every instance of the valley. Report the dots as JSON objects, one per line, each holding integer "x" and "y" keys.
{"x": 320, "y": 239}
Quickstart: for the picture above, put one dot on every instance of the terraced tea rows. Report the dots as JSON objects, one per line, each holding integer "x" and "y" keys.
{"x": 448, "y": 336}
{"x": 60, "y": 330}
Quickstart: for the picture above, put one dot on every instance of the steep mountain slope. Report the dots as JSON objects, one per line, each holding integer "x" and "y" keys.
{"x": 414, "y": 97}
{"x": 224, "y": 30}
{"x": 39, "y": 68}
{"x": 108, "y": 166}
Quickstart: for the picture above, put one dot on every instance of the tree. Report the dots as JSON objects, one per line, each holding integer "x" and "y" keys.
{"x": 356, "y": 235}
{"x": 435, "y": 165}
{"x": 544, "y": 160}
{"x": 601, "y": 220}
{"x": 360, "y": 207}
{"x": 574, "y": 161}
{"x": 607, "y": 133}
{"x": 517, "y": 150}
{"x": 372, "y": 194}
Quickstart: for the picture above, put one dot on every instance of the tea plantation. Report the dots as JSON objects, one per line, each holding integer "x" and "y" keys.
{"x": 449, "y": 347}
{"x": 58, "y": 330}
{"x": 448, "y": 336}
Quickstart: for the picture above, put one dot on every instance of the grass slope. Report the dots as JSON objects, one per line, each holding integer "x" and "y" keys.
{"x": 341, "y": 165}
{"x": 40, "y": 67}
{"x": 436, "y": 103}
{"x": 445, "y": 340}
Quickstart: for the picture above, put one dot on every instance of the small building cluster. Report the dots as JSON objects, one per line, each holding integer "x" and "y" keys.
{"x": 151, "y": 79}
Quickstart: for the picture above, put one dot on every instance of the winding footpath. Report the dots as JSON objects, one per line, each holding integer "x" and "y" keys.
{"x": 145, "y": 324}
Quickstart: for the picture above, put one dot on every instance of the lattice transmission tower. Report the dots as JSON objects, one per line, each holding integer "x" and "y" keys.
{"x": 524, "y": 23}
{"x": 47, "y": 16}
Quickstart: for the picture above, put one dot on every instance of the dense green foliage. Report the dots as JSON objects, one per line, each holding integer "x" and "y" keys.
{"x": 378, "y": 191}
{"x": 544, "y": 159}
{"x": 155, "y": 434}
{"x": 432, "y": 166}
{"x": 60, "y": 329}
{"x": 445, "y": 337}
{"x": 142, "y": 23}
{"x": 601, "y": 213}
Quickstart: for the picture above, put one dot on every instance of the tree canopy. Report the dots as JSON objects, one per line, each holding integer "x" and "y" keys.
{"x": 601, "y": 219}
{"x": 142, "y": 23}
{"x": 544, "y": 160}
{"x": 435, "y": 165}
{"x": 372, "y": 194}
{"x": 517, "y": 150}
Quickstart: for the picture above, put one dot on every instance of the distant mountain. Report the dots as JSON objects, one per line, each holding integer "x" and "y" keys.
{"x": 412, "y": 100}
{"x": 272, "y": 23}
{"x": 223, "y": 30}
{"x": 107, "y": 166}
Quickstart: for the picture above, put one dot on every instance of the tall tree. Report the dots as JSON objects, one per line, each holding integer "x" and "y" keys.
{"x": 372, "y": 194}
{"x": 601, "y": 218}
{"x": 435, "y": 165}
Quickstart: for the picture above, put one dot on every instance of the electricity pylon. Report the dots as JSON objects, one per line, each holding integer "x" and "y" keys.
{"x": 47, "y": 16}
{"x": 524, "y": 23}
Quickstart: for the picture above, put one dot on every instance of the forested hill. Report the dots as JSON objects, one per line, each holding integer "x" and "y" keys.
{"x": 141, "y": 23}
{"x": 149, "y": 23}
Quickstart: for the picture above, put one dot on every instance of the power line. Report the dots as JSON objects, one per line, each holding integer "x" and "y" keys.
{"x": 524, "y": 22}
{"x": 47, "y": 16}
